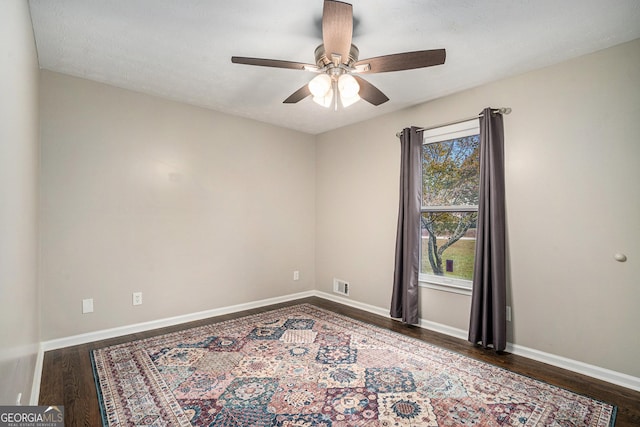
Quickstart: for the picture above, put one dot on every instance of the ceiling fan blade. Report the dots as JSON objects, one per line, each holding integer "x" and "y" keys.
{"x": 298, "y": 95}
{"x": 370, "y": 93}
{"x": 403, "y": 61}
{"x": 337, "y": 29}
{"x": 272, "y": 63}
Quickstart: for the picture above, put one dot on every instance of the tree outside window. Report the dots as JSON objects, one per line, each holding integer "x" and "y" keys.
{"x": 450, "y": 189}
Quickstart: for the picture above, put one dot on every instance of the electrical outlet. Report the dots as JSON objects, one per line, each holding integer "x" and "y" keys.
{"x": 296, "y": 275}
{"x": 508, "y": 313}
{"x": 87, "y": 305}
{"x": 137, "y": 298}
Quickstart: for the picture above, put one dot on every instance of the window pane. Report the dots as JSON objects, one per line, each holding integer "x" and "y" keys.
{"x": 448, "y": 244}
{"x": 450, "y": 172}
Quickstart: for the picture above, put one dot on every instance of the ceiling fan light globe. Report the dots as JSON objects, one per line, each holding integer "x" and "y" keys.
{"x": 325, "y": 100}
{"x": 320, "y": 85}
{"x": 346, "y": 101}
{"x": 348, "y": 86}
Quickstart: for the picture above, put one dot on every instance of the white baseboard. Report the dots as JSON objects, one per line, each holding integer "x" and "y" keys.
{"x": 444, "y": 329}
{"x": 162, "y": 323}
{"x": 426, "y": 324}
{"x": 351, "y": 303}
{"x": 593, "y": 371}
{"x": 604, "y": 374}
{"x": 37, "y": 378}
{"x": 141, "y": 327}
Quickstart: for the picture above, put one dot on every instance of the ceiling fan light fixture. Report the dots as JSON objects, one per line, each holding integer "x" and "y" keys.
{"x": 348, "y": 86}
{"x": 320, "y": 86}
{"x": 348, "y": 100}
{"x": 324, "y": 100}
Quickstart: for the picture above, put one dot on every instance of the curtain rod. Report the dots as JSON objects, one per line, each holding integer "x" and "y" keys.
{"x": 502, "y": 110}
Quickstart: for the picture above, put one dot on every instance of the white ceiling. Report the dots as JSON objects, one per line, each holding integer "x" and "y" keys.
{"x": 181, "y": 49}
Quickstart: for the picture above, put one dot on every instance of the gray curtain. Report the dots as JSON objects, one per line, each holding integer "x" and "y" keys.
{"x": 488, "y": 324}
{"x": 404, "y": 300}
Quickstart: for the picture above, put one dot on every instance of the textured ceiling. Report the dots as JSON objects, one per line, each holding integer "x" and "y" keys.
{"x": 181, "y": 49}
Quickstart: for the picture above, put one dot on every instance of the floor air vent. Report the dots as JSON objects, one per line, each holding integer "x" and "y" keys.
{"x": 341, "y": 287}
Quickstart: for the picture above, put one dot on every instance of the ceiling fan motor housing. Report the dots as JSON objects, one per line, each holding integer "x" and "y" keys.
{"x": 322, "y": 60}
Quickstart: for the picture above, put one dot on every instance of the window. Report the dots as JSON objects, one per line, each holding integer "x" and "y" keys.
{"x": 450, "y": 189}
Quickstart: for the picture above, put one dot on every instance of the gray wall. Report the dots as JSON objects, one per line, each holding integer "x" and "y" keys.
{"x": 572, "y": 175}
{"x": 195, "y": 209}
{"x": 19, "y": 311}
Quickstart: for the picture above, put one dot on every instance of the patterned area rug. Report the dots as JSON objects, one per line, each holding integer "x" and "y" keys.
{"x": 303, "y": 366}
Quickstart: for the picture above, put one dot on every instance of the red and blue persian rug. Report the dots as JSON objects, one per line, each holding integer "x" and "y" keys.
{"x": 303, "y": 366}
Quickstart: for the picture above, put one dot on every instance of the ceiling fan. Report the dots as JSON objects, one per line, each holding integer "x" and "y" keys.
{"x": 338, "y": 66}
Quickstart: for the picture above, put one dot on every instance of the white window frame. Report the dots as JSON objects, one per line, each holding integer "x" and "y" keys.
{"x": 432, "y": 136}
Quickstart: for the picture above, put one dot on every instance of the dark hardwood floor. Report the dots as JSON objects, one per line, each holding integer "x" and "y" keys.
{"x": 67, "y": 376}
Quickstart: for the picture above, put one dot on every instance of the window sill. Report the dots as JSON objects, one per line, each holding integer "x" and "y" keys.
{"x": 425, "y": 282}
